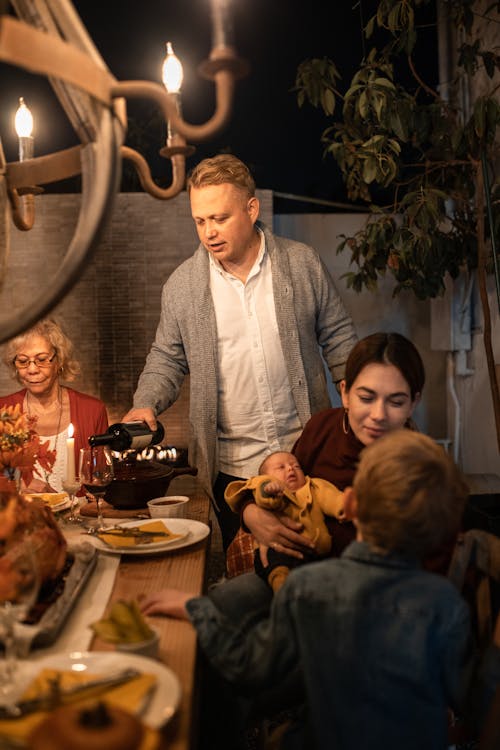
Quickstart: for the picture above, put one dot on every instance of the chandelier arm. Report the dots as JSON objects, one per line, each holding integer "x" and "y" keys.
{"x": 44, "y": 169}
{"x": 45, "y": 54}
{"x": 60, "y": 19}
{"x": 142, "y": 168}
{"x": 23, "y": 210}
{"x": 224, "y": 88}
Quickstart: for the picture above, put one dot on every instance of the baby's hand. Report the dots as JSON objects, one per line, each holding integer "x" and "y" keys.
{"x": 274, "y": 488}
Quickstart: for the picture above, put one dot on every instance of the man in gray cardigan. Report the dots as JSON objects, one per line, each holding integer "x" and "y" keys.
{"x": 246, "y": 317}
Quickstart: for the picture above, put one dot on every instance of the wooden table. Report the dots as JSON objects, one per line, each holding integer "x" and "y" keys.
{"x": 184, "y": 569}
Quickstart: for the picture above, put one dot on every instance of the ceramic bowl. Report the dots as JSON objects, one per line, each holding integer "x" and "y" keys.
{"x": 142, "y": 648}
{"x": 170, "y": 506}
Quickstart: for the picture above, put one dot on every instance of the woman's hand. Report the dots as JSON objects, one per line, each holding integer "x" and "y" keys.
{"x": 166, "y": 602}
{"x": 277, "y": 531}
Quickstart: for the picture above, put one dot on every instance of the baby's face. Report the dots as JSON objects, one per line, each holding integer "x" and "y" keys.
{"x": 284, "y": 466}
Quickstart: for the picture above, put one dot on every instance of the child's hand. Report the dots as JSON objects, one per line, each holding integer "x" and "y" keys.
{"x": 274, "y": 488}
{"x": 166, "y": 602}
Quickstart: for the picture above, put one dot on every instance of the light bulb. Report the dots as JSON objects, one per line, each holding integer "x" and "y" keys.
{"x": 24, "y": 120}
{"x": 172, "y": 71}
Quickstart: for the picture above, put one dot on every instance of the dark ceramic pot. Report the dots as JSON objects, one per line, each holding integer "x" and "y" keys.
{"x": 136, "y": 482}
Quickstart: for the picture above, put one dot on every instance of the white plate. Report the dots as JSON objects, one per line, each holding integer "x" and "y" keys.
{"x": 63, "y": 505}
{"x": 163, "y": 703}
{"x": 66, "y": 503}
{"x": 192, "y": 532}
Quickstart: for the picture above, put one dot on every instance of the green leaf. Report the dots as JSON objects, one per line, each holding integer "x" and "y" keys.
{"x": 369, "y": 27}
{"x": 369, "y": 170}
{"x": 385, "y": 83}
{"x": 328, "y": 101}
{"x": 363, "y": 106}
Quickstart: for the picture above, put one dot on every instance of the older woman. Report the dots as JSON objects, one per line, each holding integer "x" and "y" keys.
{"x": 40, "y": 359}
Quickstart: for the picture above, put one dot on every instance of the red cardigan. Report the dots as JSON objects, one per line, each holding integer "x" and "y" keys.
{"x": 88, "y": 415}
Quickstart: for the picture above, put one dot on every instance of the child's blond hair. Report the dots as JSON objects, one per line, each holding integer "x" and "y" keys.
{"x": 410, "y": 494}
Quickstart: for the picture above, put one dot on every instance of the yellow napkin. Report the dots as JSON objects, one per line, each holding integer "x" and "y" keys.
{"x": 116, "y": 540}
{"x": 51, "y": 498}
{"x": 128, "y": 696}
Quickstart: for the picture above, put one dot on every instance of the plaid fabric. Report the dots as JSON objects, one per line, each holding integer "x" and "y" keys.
{"x": 239, "y": 555}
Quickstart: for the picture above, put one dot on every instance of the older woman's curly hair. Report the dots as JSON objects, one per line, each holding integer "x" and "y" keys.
{"x": 50, "y": 330}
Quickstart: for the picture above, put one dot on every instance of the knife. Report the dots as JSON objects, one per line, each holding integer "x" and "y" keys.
{"x": 133, "y": 532}
{"x": 56, "y": 697}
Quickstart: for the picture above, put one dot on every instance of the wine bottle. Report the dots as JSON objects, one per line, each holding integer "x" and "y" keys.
{"x": 123, "y": 436}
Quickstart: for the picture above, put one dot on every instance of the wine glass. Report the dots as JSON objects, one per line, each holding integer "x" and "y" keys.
{"x": 19, "y": 591}
{"x": 96, "y": 473}
{"x": 71, "y": 486}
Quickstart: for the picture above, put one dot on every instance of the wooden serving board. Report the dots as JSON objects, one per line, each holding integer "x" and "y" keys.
{"x": 89, "y": 510}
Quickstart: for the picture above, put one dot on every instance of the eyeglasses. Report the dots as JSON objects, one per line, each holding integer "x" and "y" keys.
{"x": 40, "y": 360}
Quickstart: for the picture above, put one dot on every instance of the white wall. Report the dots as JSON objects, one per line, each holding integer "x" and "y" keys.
{"x": 478, "y": 450}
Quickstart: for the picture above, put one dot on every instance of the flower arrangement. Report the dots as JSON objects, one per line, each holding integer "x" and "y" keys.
{"x": 20, "y": 446}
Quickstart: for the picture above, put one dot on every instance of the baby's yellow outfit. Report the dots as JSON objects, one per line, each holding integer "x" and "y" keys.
{"x": 308, "y": 505}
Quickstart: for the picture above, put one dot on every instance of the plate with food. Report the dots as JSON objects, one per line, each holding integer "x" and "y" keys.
{"x": 56, "y": 501}
{"x": 136, "y": 684}
{"x": 149, "y": 537}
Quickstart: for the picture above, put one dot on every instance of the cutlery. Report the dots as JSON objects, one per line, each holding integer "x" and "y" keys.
{"x": 55, "y": 696}
{"x": 134, "y": 531}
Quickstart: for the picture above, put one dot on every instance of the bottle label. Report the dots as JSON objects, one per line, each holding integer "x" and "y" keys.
{"x": 140, "y": 441}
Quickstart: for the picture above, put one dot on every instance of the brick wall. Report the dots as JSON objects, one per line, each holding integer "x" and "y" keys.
{"x": 112, "y": 312}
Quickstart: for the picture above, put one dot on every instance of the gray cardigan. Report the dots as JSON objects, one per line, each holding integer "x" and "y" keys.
{"x": 309, "y": 312}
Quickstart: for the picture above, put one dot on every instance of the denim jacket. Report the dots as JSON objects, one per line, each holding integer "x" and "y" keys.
{"x": 382, "y": 645}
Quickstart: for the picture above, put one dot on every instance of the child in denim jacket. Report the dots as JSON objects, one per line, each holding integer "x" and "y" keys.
{"x": 382, "y": 647}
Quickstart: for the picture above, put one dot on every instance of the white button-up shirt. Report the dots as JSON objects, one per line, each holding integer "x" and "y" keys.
{"x": 257, "y": 414}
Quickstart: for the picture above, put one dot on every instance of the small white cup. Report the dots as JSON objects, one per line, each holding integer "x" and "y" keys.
{"x": 170, "y": 506}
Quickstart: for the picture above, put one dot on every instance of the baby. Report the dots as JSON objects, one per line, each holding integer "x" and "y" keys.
{"x": 282, "y": 486}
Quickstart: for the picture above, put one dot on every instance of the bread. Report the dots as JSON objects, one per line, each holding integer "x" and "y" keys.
{"x": 50, "y": 498}
{"x": 94, "y": 727}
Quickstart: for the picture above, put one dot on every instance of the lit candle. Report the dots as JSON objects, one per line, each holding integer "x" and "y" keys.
{"x": 70, "y": 454}
{"x": 222, "y": 28}
{"x": 172, "y": 75}
{"x": 24, "y": 127}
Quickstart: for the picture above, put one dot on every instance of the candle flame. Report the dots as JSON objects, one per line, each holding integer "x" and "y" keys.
{"x": 71, "y": 430}
{"x": 23, "y": 120}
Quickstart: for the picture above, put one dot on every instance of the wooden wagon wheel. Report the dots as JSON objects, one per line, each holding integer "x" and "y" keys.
{"x": 85, "y": 93}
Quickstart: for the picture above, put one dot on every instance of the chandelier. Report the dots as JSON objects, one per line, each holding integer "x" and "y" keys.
{"x": 48, "y": 38}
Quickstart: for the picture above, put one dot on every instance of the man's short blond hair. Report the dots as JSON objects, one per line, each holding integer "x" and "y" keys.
{"x": 219, "y": 170}
{"x": 411, "y": 495}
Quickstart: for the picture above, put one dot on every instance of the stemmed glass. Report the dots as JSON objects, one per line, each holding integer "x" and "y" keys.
{"x": 96, "y": 473}
{"x": 71, "y": 486}
{"x": 18, "y": 593}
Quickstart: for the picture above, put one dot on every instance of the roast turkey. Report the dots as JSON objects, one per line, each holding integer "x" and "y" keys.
{"x": 22, "y": 519}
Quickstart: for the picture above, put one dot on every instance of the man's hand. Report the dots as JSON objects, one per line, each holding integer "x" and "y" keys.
{"x": 141, "y": 415}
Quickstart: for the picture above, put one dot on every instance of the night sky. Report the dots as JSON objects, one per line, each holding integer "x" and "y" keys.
{"x": 279, "y": 141}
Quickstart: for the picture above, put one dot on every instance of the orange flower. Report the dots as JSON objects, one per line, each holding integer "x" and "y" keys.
{"x": 20, "y": 446}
